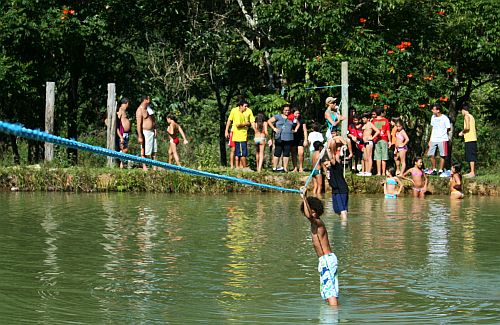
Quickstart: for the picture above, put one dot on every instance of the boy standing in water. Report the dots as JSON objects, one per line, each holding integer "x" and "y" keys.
{"x": 313, "y": 208}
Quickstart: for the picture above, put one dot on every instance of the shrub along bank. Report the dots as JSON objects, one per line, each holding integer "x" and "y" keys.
{"x": 35, "y": 178}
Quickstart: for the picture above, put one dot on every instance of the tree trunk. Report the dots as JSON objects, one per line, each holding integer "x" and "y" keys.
{"x": 223, "y": 108}
{"x": 73, "y": 116}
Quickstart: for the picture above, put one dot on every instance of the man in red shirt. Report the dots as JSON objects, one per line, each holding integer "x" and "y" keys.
{"x": 356, "y": 136}
{"x": 381, "y": 152}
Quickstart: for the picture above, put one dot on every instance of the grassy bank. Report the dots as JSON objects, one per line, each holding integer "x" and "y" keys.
{"x": 35, "y": 178}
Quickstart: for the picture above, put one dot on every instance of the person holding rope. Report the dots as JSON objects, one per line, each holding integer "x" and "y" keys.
{"x": 313, "y": 208}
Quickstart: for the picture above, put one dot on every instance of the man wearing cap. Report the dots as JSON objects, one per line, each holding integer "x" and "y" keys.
{"x": 333, "y": 119}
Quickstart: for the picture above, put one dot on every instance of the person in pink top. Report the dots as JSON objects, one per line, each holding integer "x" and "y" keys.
{"x": 381, "y": 150}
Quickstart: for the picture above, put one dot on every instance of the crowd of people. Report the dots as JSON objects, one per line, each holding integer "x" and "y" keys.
{"x": 372, "y": 142}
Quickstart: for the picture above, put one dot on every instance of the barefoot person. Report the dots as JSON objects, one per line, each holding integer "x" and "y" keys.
{"x": 456, "y": 182}
{"x": 146, "y": 130}
{"x": 470, "y": 139}
{"x": 401, "y": 147}
{"x": 370, "y": 132}
{"x": 418, "y": 178}
{"x": 122, "y": 128}
{"x": 260, "y": 128}
{"x": 313, "y": 208}
{"x": 173, "y": 130}
{"x": 392, "y": 185}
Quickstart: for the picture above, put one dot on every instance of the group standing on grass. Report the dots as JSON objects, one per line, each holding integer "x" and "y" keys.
{"x": 371, "y": 137}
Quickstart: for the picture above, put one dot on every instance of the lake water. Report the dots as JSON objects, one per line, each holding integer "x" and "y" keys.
{"x": 124, "y": 258}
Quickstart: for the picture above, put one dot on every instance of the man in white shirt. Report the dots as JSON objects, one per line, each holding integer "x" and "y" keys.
{"x": 439, "y": 138}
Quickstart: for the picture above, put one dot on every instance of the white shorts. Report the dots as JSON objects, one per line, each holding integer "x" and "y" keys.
{"x": 150, "y": 145}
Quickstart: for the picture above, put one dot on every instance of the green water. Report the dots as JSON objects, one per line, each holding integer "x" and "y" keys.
{"x": 244, "y": 258}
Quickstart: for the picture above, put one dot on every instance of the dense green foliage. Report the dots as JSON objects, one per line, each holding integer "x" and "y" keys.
{"x": 196, "y": 57}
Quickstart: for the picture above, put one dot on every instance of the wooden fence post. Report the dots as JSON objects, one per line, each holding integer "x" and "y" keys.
{"x": 345, "y": 96}
{"x": 111, "y": 121}
{"x": 49, "y": 118}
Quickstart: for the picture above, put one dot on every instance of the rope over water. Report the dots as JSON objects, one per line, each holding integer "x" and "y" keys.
{"x": 21, "y": 131}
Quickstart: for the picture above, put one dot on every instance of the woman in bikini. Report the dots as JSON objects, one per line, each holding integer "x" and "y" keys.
{"x": 401, "y": 147}
{"x": 456, "y": 182}
{"x": 418, "y": 178}
{"x": 370, "y": 132}
{"x": 392, "y": 185}
{"x": 173, "y": 131}
{"x": 260, "y": 128}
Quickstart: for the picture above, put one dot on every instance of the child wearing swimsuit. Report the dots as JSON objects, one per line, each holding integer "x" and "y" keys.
{"x": 418, "y": 178}
{"x": 401, "y": 147}
{"x": 390, "y": 185}
{"x": 456, "y": 182}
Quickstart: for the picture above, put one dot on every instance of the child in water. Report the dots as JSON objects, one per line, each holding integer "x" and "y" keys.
{"x": 392, "y": 185}
{"x": 313, "y": 208}
{"x": 418, "y": 178}
{"x": 316, "y": 173}
{"x": 456, "y": 182}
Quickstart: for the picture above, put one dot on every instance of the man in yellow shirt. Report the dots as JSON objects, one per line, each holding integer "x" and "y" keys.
{"x": 470, "y": 139}
{"x": 241, "y": 118}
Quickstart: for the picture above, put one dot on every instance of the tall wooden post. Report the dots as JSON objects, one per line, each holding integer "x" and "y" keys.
{"x": 49, "y": 118}
{"x": 111, "y": 121}
{"x": 345, "y": 96}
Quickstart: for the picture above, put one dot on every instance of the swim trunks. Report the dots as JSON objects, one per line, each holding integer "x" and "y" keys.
{"x": 327, "y": 268}
{"x": 150, "y": 145}
{"x": 241, "y": 149}
{"x": 231, "y": 143}
{"x": 119, "y": 144}
{"x": 340, "y": 202}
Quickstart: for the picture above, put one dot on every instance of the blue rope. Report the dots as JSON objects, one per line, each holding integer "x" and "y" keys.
{"x": 19, "y": 130}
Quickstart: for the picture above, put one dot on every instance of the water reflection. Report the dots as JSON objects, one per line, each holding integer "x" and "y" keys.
{"x": 438, "y": 249}
{"x": 117, "y": 258}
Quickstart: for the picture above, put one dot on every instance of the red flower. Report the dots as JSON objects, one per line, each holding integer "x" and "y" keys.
{"x": 428, "y": 78}
{"x": 399, "y": 46}
{"x": 374, "y": 95}
{"x": 72, "y": 12}
{"x": 443, "y": 99}
{"x": 410, "y": 75}
{"x": 441, "y": 12}
{"x": 450, "y": 70}
{"x": 390, "y": 52}
{"x": 65, "y": 11}
{"x": 362, "y": 20}
{"x": 422, "y": 105}
{"x": 406, "y": 44}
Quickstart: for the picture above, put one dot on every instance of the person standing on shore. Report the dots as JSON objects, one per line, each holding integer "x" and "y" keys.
{"x": 146, "y": 129}
{"x": 439, "y": 138}
{"x": 470, "y": 139}
{"x": 241, "y": 118}
{"x": 122, "y": 128}
{"x": 173, "y": 130}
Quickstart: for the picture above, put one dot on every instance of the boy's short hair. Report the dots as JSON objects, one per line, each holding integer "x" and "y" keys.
{"x": 315, "y": 204}
{"x": 315, "y": 126}
{"x": 366, "y": 115}
{"x": 379, "y": 111}
{"x": 317, "y": 145}
{"x": 465, "y": 107}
